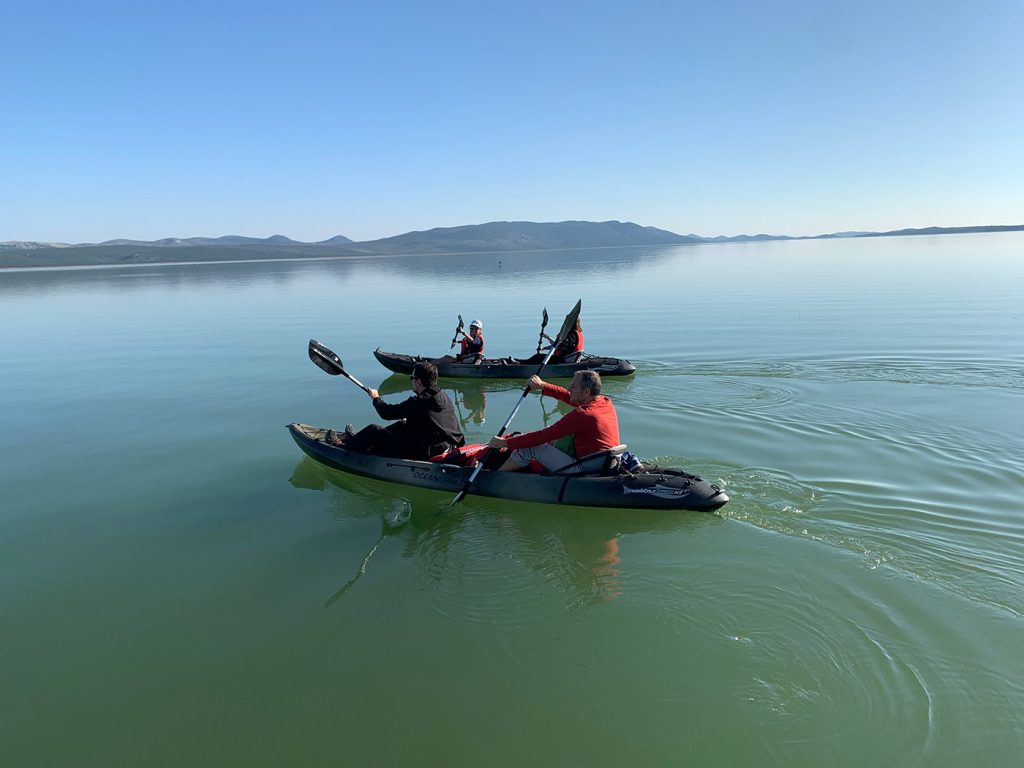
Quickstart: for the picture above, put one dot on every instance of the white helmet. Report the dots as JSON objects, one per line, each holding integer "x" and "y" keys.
{"x": 476, "y": 324}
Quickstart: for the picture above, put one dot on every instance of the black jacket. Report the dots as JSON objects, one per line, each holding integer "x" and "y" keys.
{"x": 431, "y": 426}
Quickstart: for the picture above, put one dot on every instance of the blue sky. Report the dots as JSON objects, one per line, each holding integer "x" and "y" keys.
{"x": 369, "y": 119}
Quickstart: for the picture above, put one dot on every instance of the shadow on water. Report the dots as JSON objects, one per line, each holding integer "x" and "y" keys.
{"x": 577, "y": 550}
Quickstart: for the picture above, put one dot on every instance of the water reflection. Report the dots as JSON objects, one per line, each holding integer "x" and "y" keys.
{"x": 171, "y": 276}
{"x": 394, "y": 511}
{"x": 391, "y": 519}
{"x": 482, "y": 560}
{"x": 484, "y": 563}
{"x": 468, "y": 395}
{"x": 229, "y": 265}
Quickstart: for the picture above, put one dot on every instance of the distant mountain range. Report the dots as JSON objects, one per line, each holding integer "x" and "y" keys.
{"x": 496, "y": 236}
{"x": 171, "y": 242}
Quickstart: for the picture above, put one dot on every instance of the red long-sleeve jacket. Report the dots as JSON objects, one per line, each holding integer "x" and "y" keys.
{"x": 595, "y": 425}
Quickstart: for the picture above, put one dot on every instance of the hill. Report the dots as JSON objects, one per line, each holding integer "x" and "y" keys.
{"x": 177, "y": 242}
{"x": 495, "y": 236}
{"x": 525, "y": 236}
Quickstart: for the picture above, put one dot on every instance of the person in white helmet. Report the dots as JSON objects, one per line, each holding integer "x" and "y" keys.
{"x": 472, "y": 350}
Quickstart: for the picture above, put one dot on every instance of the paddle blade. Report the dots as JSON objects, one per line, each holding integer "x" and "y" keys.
{"x": 544, "y": 322}
{"x": 458, "y": 498}
{"x": 469, "y": 483}
{"x": 569, "y": 325}
{"x": 455, "y": 336}
{"x": 325, "y": 359}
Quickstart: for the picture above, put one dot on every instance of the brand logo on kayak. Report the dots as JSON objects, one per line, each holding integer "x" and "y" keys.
{"x": 661, "y": 491}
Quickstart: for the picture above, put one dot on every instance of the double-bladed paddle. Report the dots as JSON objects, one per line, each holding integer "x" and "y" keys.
{"x": 458, "y": 329}
{"x": 543, "y": 323}
{"x": 568, "y": 325}
{"x": 326, "y": 360}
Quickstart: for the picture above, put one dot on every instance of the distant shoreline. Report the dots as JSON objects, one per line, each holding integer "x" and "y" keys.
{"x": 496, "y": 238}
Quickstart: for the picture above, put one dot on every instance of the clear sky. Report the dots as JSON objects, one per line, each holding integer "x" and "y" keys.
{"x": 370, "y": 118}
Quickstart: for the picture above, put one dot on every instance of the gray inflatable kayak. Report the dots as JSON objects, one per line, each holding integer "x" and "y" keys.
{"x": 651, "y": 488}
{"x": 508, "y": 367}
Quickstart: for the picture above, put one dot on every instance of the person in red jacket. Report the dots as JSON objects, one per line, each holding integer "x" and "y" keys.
{"x": 568, "y": 351}
{"x": 571, "y": 346}
{"x": 592, "y": 423}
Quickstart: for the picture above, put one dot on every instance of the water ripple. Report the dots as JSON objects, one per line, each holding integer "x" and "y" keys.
{"x": 945, "y": 372}
{"x": 823, "y": 649}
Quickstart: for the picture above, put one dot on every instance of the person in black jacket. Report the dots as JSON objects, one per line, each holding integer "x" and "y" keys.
{"x": 425, "y": 424}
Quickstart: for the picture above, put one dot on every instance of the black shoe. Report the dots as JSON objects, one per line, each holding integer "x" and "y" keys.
{"x": 333, "y": 438}
{"x": 349, "y": 431}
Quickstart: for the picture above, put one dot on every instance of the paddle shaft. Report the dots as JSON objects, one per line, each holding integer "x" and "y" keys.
{"x": 355, "y": 381}
{"x": 566, "y": 326}
{"x": 483, "y": 456}
{"x": 522, "y": 397}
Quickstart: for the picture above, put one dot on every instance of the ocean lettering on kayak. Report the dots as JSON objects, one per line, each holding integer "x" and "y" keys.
{"x": 419, "y": 474}
{"x": 662, "y": 491}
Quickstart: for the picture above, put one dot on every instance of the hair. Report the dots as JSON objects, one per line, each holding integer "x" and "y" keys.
{"x": 427, "y": 373}
{"x": 579, "y": 325}
{"x": 591, "y": 380}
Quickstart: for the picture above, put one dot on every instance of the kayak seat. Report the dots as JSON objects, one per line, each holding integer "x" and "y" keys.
{"x": 599, "y": 463}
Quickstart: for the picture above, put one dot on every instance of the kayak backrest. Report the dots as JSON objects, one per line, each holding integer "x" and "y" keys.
{"x": 597, "y": 463}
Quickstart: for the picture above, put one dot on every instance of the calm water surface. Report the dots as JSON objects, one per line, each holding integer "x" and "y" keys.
{"x": 179, "y": 587}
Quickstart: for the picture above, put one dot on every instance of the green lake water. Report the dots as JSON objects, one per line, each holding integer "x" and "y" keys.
{"x": 179, "y": 586}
